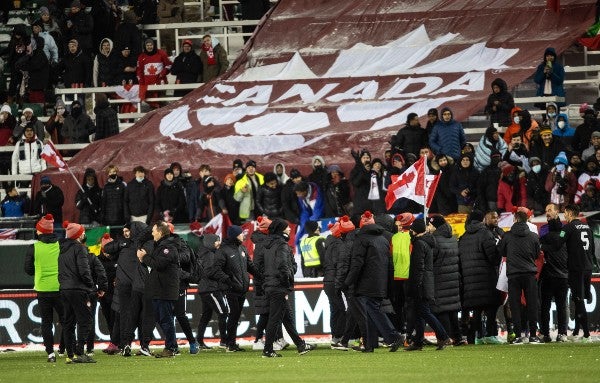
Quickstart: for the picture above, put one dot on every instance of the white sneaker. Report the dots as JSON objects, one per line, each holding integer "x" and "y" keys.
{"x": 259, "y": 345}
{"x": 277, "y": 346}
{"x": 283, "y": 343}
{"x": 562, "y": 338}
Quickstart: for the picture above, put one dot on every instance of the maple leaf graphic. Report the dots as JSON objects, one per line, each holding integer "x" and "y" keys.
{"x": 152, "y": 69}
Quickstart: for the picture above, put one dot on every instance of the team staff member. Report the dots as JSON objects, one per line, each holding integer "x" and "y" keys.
{"x": 312, "y": 249}
{"x": 41, "y": 261}
{"x": 580, "y": 246}
{"x": 76, "y": 283}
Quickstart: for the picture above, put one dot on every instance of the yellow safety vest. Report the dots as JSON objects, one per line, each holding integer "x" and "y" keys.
{"x": 308, "y": 249}
{"x": 401, "y": 255}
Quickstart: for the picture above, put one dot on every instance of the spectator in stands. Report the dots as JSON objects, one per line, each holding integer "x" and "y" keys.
{"x": 51, "y": 26}
{"x": 487, "y": 186}
{"x": 107, "y": 121}
{"x": 214, "y": 58}
{"x": 35, "y": 64}
{"x": 517, "y": 154}
{"x": 107, "y": 15}
{"x": 377, "y": 189}
{"x": 55, "y": 122}
{"x": 139, "y": 197}
{"x": 103, "y": 72}
{"x": 311, "y": 205}
{"x": 411, "y": 137}
{"x": 187, "y": 67}
{"x": 14, "y": 204}
{"x": 146, "y": 11}
{"x": 582, "y": 139}
{"x": 113, "y": 198}
{"x": 563, "y": 132}
{"x": 561, "y": 183}
{"x": 170, "y": 12}
{"x": 268, "y": 201}
{"x": 279, "y": 170}
{"x": 78, "y": 126}
{"x": 17, "y": 48}
{"x": 537, "y": 196}
{"x": 444, "y": 201}
{"x": 80, "y": 26}
{"x": 590, "y": 173}
{"x": 253, "y": 10}
{"x": 489, "y": 143}
{"x": 432, "y": 118}
{"x": 211, "y": 203}
{"x": 26, "y": 158}
{"x": 448, "y": 136}
{"x": 291, "y": 212}
{"x": 194, "y": 190}
{"x": 152, "y": 68}
{"x": 530, "y": 129}
{"x": 500, "y": 103}
{"x": 590, "y": 200}
{"x": 246, "y": 191}
{"x": 7, "y": 125}
{"x": 463, "y": 184}
{"x": 551, "y": 116}
{"x": 512, "y": 190}
{"x": 76, "y": 69}
{"x": 577, "y": 166}
{"x": 549, "y": 76}
{"x": 29, "y": 119}
{"x": 125, "y": 75}
{"x": 50, "y": 48}
{"x": 548, "y": 148}
{"x": 88, "y": 200}
{"x": 360, "y": 177}
{"x": 170, "y": 199}
{"x": 337, "y": 194}
{"x": 231, "y": 206}
{"x": 128, "y": 34}
{"x": 49, "y": 200}
{"x": 319, "y": 175}
{"x": 514, "y": 126}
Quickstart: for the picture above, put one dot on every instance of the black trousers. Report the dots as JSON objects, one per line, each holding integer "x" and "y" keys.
{"x": 92, "y": 335}
{"x": 181, "y": 315}
{"x": 556, "y": 288}
{"x": 108, "y": 313}
{"x": 579, "y": 282}
{"x": 398, "y": 299}
{"x": 449, "y": 320}
{"x": 489, "y": 326}
{"x": 213, "y": 302}
{"x": 355, "y": 318}
{"x": 280, "y": 313}
{"x": 142, "y": 318}
{"x": 525, "y": 283}
{"x": 50, "y": 303}
{"x": 337, "y": 305}
{"x": 236, "y": 304}
{"x": 77, "y": 313}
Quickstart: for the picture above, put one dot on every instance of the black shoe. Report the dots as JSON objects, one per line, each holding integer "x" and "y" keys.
{"x": 546, "y": 339}
{"x": 535, "y": 340}
{"x": 339, "y": 346}
{"x": 144, "y": 351}
{"x": 83, "y": 359}
{"x": 306, "y": 347}
{"x": 165, "y": 354}
{"x": 126, "y": 351}
{"x": 397, "y": 343}
{"x": 441, "y": 344}
{"x": 52, "y": 358}
{"x": 366, "y": 350}
{"x": 235, "y": 348}
{"x": 413, "y": 347}
{"x": 203, "y": 346}
{"x": 270, "y": 354}
{"x": 518, "y": 341}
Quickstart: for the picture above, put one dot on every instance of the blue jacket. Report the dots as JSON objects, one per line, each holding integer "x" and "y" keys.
{"x": 311, "y": 208}
{"x": 557, "y": 76}
{"x": 447, "y": 137}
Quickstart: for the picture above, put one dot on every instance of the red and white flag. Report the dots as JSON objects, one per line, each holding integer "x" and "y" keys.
{"x": 413, "y": 184}
{"x": 52, "y": 156}
{"x": 218, "y": 225}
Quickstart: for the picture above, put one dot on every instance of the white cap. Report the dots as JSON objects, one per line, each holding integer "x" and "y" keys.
{"x": 28, "y": 110}
{"x": 6, "y": 108}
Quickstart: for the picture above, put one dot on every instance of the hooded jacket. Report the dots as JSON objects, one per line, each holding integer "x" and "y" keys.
{"x": 73, "y": 267}
{"x": 283, "y": 178}
{"x": 76, "y": 69}
{"x": 421, "y": 275}
{"x": 89, "y": 200}
{"x": 521, "y": 248}
{"x": 163, "y": 281}
{"x": 486, "y": 147}
{"x": 103, "y": 72}
{"x": 446, "y": 270}
{"x": 206, "y": 257}
{"x": 171, "y": 196}
{"x": 130, "y": 272}
{"x": 107, "y": 122}
{"x": 556, "y": 76}
{"x": 447, "y": 137}
{"x": 279, "y": 268}
{"x": 464, "y": 178}
{"x": 112, "y": 203}
{"x": 319, "y": 175}
{"x": 502, "y": 113}
{"x": 231, "y": 266}
{"x": 268, "y": 201}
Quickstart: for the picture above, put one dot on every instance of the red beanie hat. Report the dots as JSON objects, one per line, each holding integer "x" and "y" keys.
{"x": 366, "y": 219}
{"x": 104, "y": 240}
{"x": 405, "y": 219}
{"x": 74, "y": 230}
{"x": 263, "y": 224}
{"x": 524, "y": 210}
{"x": 46, "y": 224}
{"x": 334, "y": 228}
{"x": 346, "y": 225}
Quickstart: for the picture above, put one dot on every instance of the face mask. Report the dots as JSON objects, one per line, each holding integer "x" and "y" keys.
{"x": 286, "y": 236}
{"x": 112, "y": 177}
{"x": 516, "y": 120}
{"x": 45, "y": 187}
{"x": 536, "y": 168}
{"x": 560, "y": 167}
{"x": 561, "y": 124}
{"x": 89, "y": 185}
{"x": 551, "y": 115}
{"x": 75, "y": 112}
{"x": 139, "y": 179}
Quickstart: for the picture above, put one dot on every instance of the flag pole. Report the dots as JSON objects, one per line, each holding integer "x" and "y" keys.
{"x": 425, "y": 209}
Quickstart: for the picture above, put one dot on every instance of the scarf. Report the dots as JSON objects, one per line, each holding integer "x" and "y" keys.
{"x": 554, "y": 196}
{"x": 210, "y": 53}
{"x": 374, "y": 189}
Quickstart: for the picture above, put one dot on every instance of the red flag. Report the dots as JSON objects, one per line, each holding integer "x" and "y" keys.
{"x": 52, "y": 156}
{"x": 413, "y": 184}
{"x": 218, "y": 225}
{"x": 553, "y": 5}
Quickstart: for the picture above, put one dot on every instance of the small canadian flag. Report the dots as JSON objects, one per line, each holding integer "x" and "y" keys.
{"x": 52, "y": 156}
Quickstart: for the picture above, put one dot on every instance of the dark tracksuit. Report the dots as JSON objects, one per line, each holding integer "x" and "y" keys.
{"x": 100, "y": 284}
{"x": 183, "y": 251}
{"x": 337, "y": 306}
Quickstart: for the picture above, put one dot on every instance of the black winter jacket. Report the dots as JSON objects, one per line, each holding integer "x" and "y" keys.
{"x": 289, "y": 202}
{"x": 268, "y": 201}
{"x": 170, "y": 196}
{"x": 163, "y": 281}
{"x": 259, "y": 239}
{"x": 187, "y": 67}
{"x": 88, "y": 201}
{"x": 521, "y": 248}
{"x": 98, "y": 273}
{"x": 479, "y": 261}
{"x": 409, "y": 139}
{"x": 279, "y": 266}
{"x": 76, "y": 69}
{"x": 73, "y": 267}
{"x": 343, "y": 261}
{"x": 446, "y": 270}
{"x": 109, "y": 263}
{"x": 555, "y": 253}
{"x": 130, "y": 271}
{"x": 333, "y": 247}
{"x": 231, "y": 266}
{"x": 487, "y": 184}
{"x": 371, "y": 270}
{"x": 206, "y": 256}
{"x": 36, "y": 65}
{"x": 112, "y": 203}
{"x": 107, "y": 123}
{"x": 505, "y": 104}
{"x": 49, "y": 201}
{"x": 421, "y": 277}
{"x": 139, "y": 199}
{"x": 361, "y": 180}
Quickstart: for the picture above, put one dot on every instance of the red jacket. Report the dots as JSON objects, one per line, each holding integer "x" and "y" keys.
{"x": 152, "y": 68}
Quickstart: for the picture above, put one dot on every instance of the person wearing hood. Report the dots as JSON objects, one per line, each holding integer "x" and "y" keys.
{"x": 268, "y": 200}
{"x": 590, "y": 174}
{"x": 54, "y": 124}
{"x": 41, "y": 262}
{"x": 49, "y": 199}
{"x": 448, "y": 135}
{"x": 479, "y": 261}
{"x": 561, "y": 183}
{"x": 103, "y": 72}
{"x": 130, "y": 285}
{"x": 88, "y": 200}
{"x": 550, "y": 118}
{"x": 231, "y": 267}
{"x": 26, "y": 157}
{"x": 129, "y": 35}
{"x": 139, "y": 197}
{"x": 500, "y": 103}
{"x": 76, "y": 68}
{"x": 489, "y": 143}
{"x": 36, "y": 64}
{"x": 319, "y": 175}
{"x": 421, "y": 289}
{"x": 279, "y": 170}
{"x": 563, "y": 132}
{"x": 214, "y": 58}
{"x": 211, "y": 203}
{"x": 514, "y": 126}
{"x": 537, "y": 196}
{"x": 411, "y": 137}
{"x": 582, "y": 139}
{"x": 8, "y": 122}
{"x": 337, "y": 193}
{"x": 78, "y": 125}
{"x": 446, "y": 270}
{"x": 550, "y": 76}
{"x": 432, "y": 118}
{"x": 107, "y": 14}
{"x": 463, "y": 183}
{"x": 163, "y": 283}
{"x": 170, "y": 199}
{"x": 187, "y": 67}
{"x": 80, "y": 25}
{"x": 107, "y": 121}
{"x": 113, "y": 198}
{"x": 279, "y": 270}
{"x": 153, "y": 65}
{"x": 444, "y": 201}
{"x": 370, "y": 276}
{"x": 521, "y": 248}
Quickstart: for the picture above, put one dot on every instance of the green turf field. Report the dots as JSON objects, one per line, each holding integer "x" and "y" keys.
{"x": 566, "y": 362}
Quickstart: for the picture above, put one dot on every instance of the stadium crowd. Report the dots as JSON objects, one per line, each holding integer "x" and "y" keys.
{"x": 386, "y": 272}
